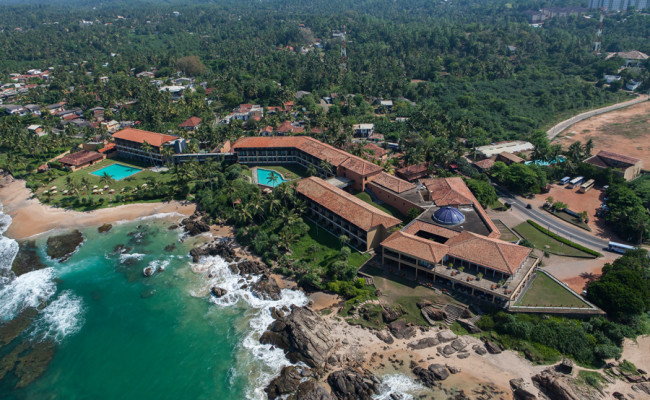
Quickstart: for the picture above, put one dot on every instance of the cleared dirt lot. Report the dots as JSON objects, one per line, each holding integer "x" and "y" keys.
{"x": 625, "y": 131}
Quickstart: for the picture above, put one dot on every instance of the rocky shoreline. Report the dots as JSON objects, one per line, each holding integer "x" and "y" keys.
{"x": 336, "y": 361}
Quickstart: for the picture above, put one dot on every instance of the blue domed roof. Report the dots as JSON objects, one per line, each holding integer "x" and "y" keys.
{"x": 448, "y": 216}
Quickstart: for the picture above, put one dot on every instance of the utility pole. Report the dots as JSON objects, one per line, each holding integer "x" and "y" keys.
{"x": 599, "y": 33}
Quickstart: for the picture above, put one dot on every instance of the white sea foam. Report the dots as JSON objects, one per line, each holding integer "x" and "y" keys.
{"x": 158, "y": 265}
{"x": 61, "y": 318}
{"x": 8, "y": 249}
{"x": 398, "y": 385}
{"x": 127, "y": 256}
{"x": 273, "y": 360}
{"x": 27, "y": 290}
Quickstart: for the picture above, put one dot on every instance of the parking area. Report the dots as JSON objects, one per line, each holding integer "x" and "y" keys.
{"x": 578, "y": 202}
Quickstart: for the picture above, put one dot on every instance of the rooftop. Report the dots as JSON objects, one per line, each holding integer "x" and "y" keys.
{"x": 140, "y": 136}
{"x": 191, "y": 122}
{"x": 80, "y": 158}
{"x": 415, "y": 246}
{"x": 607, "y": 158}
{"x": 393, "y": 183}
{"x": 350, "y": 208}
{"x": 494, "y": 253}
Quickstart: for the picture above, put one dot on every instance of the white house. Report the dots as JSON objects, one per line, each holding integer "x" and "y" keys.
{"x": 363, "y": 130}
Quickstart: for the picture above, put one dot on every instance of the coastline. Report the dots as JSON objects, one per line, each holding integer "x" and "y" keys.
{"x": 30, "y": 217}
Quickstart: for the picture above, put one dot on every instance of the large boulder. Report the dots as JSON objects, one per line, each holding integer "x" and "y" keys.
{"x": 401, "y": 330}
{"x": 27, "y": 258}
{"x": 194, "y": 224}
{"x": 218, "y": 292}
{"x": 304, "y": 336}
{"x": 391, "y": 314}
{"x": 61, "y": 247}
{"x": 385, "y": 336}
{"x": 286, "y": 383}
{"x": 312, "y": 390}
{"x": 558, "y": 386}
{"x": 430, "y": 376}
{"x": 446, "y": 336}
{"x": 492, "y": 347}
{"x": 222, "y": 248}
{"x": 423, "y": 343}
{"x": 266, "y": 288}
{"x": 353, "y": 384}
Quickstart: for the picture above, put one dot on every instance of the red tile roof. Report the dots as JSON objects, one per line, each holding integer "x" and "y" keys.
{"x": 375, "y": 151}
{"x": 191, "y": 122}
{"x": 606, "y": 158}
{"x": 413, "y": 171}
{"x": 512, "y": 157}
{"x": 487, "y": 163}
{"x": 343, "y": 204}
{"x": 419, "y": 226}
{"x": 453, "y": 191}
{"x": 489, "y": 252}
{"x": 80, "y": 158}
{"x": 448, "y": 191}
{"x": 140, "y": 136}
{"x": 415, "y": 246}
{"x": 314, "y": 148}
{"x": 393, "y": 183}
{"x": 107, "y": 148}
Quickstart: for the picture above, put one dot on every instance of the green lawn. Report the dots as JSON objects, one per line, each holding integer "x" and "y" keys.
{"x": 130, "y": 183}
{"x": 544, "y": 291}
{"x": 571, "y": 219}
{"x": 329, "y": 248}
{"x": 541, "y": 241}
{"x": 384, "y": 207}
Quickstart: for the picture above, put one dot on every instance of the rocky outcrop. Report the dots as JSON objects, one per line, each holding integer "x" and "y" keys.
{"x": 558, "y": 386}
{"x": 304, "y": 336}
{"x": 61, "y": 247}
{"x": 286, "y": 383}
{"x": 27, "y": 258}
{"x": 433, "y": 314}
{"x": 195, "y": 224}
{"x": 391, "y": 314}
{"x": 423, "y": 343}
{"x": 430, "y": 376}
{"x": 218, "y": 292}
{"x": 446, "y": 336}
{"x": 521, "y": 390}
{"x": 266, "y": 288}
{"x": 353, "y": 384}
{"x": 147, "y": 272}
{"x": 312, "y": 390}
{"x": 105, "y": 228}
{"x": 401, "y": 330}
{"x": 566, "y": 366}
{"x": 492, "y": 347}
{"x": 471, "y": 328}
{"x": 222, "y": 248}
{"x": 385, "y": 336}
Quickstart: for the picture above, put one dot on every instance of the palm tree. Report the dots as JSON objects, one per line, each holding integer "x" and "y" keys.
{"x": 148, "y": 149}
{"x": 106, "y": 179}
{"x": 274, "y": 178}
{"x": 327, "y": 166}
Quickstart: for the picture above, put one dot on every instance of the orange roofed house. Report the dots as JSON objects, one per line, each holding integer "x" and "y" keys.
{"x": 624, "y": 166}
{"x": 146, "y": 146}
{"x": 343, "y": 214}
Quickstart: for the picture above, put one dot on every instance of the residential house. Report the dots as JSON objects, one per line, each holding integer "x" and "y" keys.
{"x": 375, "y": 152}
{"x": 14, "y": 109}
{"x": 191, "y": 124}
{"x": 363, "y": 130}
{"x": 37, "y": 130}
{"x": 624, "y": 166}
{"x": 413, "y": 172}
{"x": 55, "y": 108}
{"x": 511, "y": 146}
{"x": 633, "y": 59}
{"x": 33, "y": 109}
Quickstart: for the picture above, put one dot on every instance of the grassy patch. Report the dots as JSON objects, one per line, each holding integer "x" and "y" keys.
{"x": 506, "y": 234}
{"x": 329, "y": 248}
{"x": 384, "y": 207}
{"x": 544, "y": 291}
{"x": 458, "y": 329}
{"x": 541, "y": 240}
{"x": 570, "y": 219}
{"x": 129, "y": 184}
{"x": 591, "y": 378}
{"x": 535, "y": 352}
{"x": 628, "y": 367}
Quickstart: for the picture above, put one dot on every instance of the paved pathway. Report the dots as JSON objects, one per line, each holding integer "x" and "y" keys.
{"x": 559, "y": 128}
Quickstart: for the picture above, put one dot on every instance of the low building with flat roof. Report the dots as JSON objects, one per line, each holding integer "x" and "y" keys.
{"x": 512, "y": 146}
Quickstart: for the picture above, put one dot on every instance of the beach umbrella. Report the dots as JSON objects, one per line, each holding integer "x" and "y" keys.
{"x": 106, "y": 187}
{"x": 144, "y": 185}
{"x": 45, "y": 192}
{"x": 53, "y": 187}
{"x": 53, "y": 191}
{"x": 65, "y": 191}
{"x": 95, "y": 187}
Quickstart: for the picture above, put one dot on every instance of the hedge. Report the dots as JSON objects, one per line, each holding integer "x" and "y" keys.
{"x": 563, "y": 240}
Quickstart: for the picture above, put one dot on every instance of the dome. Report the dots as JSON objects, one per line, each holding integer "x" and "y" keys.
{"x": 448, "y": 216}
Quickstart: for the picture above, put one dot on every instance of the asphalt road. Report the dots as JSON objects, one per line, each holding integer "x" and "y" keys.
{"x": 554, "y": 224}
{"x": 560, "y": 127}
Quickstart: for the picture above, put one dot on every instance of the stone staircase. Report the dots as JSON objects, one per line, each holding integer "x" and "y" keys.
{"x": 453, "y": 312}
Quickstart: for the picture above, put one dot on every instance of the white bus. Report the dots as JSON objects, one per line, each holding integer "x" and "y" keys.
{"x": 584, "y": 188}
{"x": 565, "y": 180}
{"x": 576, "y": 181}
{"x": 619, "y": 247}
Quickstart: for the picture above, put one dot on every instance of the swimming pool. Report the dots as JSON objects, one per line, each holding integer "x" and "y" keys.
{"x": 264, "y": 177}
{"x": 117, "y": 171}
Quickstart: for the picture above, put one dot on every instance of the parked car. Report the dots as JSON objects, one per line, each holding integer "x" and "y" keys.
{"x": 528, "y": 206}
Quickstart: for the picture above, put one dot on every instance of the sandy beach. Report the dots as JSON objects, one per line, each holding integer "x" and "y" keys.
{"x": 30, "y": 217}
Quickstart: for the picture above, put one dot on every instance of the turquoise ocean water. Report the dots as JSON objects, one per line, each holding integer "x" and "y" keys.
{"x": 120, "y": 335}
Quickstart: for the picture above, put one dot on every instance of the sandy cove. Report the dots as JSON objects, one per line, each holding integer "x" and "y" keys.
{"x": 30, "y": 217}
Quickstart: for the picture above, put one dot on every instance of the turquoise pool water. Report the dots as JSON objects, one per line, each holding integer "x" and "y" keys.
{"x": 264, "y": 177}
{"x": 117, "y": 171}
